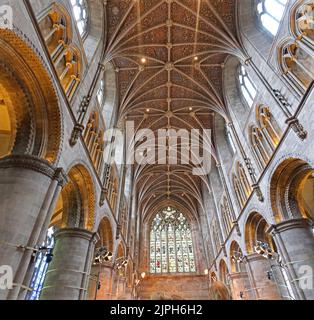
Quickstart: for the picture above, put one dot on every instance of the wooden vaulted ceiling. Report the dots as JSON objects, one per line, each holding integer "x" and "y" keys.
{"x": 184, "y": 44}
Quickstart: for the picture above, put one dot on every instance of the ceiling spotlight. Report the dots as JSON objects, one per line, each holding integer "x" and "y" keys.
{"x": 143, "y": 275}
{"x": 143, "y": 60}
{"x": 195, "y": 58}
{"x": 190, "y": 109}
{"x": 147, "y": 110}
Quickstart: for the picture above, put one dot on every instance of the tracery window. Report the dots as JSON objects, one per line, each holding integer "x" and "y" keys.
{"x": 171, "y": 244}
{"x": 247, "y": 87}
{"x": 270, "y": 13}
{"x": 81, "y": 15}
{"x": 41, "y": 266}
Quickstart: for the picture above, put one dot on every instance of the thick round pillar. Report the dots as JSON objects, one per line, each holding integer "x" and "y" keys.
{"x": 28, "y": 186}
{"x": 100, "y": 275}
{"x": 295, "y": 242}
{"x": 240, "y": 286}
{"x": 68, "y": 275}
{"x": 262, "y": 288}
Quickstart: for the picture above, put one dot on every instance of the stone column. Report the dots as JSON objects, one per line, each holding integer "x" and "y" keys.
{"x": 295, "y": 242}
{"x": 28, "y": 187}
{"x": 240, "y": 285}
{"x": 261, "y": 287}
{"x": 69, "y": 272}
{"x": 101, "y": 274}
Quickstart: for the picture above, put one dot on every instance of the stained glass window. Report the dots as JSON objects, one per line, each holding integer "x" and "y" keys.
{"x": 270, "y": 14}
{"x": 80, "y": 14}
{"x": 171, "y": 244}
{"x": 41, "y": 266}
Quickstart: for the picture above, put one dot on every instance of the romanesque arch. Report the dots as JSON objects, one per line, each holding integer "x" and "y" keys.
{"x": 292, "y": 190}
{"x": 76, "y": 204}
{"x": 30, "y": 121}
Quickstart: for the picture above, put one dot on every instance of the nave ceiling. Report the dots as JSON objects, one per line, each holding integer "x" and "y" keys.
{"x": 168, "y": 57}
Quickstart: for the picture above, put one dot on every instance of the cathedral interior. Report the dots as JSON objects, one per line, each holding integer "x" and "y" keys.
{"x": 82, "y": 219}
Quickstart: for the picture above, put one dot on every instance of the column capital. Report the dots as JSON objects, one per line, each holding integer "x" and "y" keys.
{"x": 29, "y": 162}
{"x": 61, "y": 177}
{"x": 238, "y": 275}
{"x": 77, "y": 233}
{"x": 254, "y": 257}
{"x": 290, "y": 224}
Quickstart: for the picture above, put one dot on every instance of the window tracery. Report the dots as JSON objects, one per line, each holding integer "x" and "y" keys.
{"x": 270, "y": 13}
{"x": 171, "y": 244}
{"x": 81, "y": 15}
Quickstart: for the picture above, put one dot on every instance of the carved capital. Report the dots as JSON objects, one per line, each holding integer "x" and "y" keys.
{"x": 29, "y": 162}
{"x": 61, "y": 177}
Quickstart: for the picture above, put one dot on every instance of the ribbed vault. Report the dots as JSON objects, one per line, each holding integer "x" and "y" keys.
{"x": 169, "y": 56}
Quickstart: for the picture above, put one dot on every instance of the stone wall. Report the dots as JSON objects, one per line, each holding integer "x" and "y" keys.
{"x": 172, "y": 287}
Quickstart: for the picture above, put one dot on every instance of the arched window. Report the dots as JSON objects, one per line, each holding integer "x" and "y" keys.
{"x": 101, "y": 92}
{"x": 270, "y": 13}
{"x": 171, "y": 244}
{"x": 297, "y": 65}
{"x": 230, "y": 140}
{"x": 247, "y": 87}
{"x": 81, "y": 15}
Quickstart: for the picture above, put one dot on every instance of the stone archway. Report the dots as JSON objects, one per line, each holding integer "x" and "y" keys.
{"x": 292, "y": 201}
{"x": 31, "y": 117}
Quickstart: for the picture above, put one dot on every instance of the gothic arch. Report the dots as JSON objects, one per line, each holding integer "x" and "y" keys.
{"x": 296, "y": 64}
{"x": 31, "y": 118}
{"x": 56, "y": 27}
